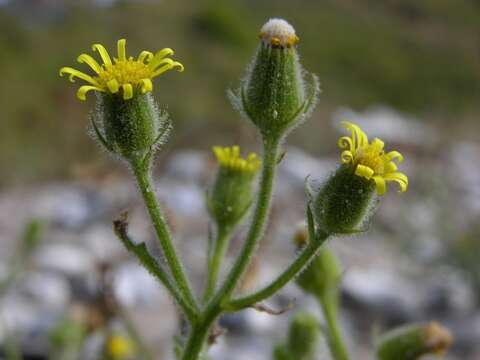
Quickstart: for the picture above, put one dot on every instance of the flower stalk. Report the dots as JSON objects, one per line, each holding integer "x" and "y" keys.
{"x": 142, "y": 175}
{"x": 215, "y": 261}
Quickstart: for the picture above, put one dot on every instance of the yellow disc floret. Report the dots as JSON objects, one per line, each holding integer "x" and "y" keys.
{"x": 229, "y": 157}
{"x": 122, "y": 75}
{"x": 370, "y": 159}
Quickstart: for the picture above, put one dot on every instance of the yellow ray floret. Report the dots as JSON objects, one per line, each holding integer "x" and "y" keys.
{"x": 229, "y": 157}
{"x": 121, "y": 75}
{"x": 370, "y": 159}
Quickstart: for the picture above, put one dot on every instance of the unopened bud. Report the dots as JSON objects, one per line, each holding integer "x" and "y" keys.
{"x": 274, "y": 95}
{"x": 232, "y": 192}
{"x": 303, "y": 337}
{"x": 410, "y": 342}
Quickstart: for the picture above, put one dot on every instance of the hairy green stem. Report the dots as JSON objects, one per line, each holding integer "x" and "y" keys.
{"x": 141, "y": 171}
{"x": 215, "y": 260}
{"x": 199, "y": 332}
{"x": 336, "y": 342}
{"x": 302, "y": 260}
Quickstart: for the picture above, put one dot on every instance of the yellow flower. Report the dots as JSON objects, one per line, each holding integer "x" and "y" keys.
{"x": 122, "y": 75}
{"x": 229, "y": 157}
{"x": 370, "y": 160}
{"x": 119, "y": 347}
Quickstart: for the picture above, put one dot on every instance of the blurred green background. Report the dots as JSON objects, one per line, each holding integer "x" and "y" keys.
{"x": 420, "y": 57}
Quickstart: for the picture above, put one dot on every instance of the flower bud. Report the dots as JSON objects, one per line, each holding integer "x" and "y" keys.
{"x": 232, "y": 192}
{"x": 274, "y": 95}
{"x": 130, "y": 128}
{"x": 303, "y": 336}
{"x": 410, "y": 342}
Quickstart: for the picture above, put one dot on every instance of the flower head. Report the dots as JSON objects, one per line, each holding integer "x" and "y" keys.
{"x": 229, "y": 157}
{"x": 119, "y": 347}
{"x": 122, "y": 75}
{"x": 370, "y": 159}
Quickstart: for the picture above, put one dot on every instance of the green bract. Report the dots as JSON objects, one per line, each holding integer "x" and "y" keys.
{"x": 230, "y": 196}
{"x": 344, "y": 203}
{"x": 131, "y": 128}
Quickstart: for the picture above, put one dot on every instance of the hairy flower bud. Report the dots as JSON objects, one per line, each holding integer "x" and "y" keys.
{"x": 274, "y": 95}
{"x": 232, "y": 192}
{"x": 410, "y": 342}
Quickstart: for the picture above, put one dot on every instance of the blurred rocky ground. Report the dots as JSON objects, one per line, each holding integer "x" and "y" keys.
{"x": 413, "y": 264}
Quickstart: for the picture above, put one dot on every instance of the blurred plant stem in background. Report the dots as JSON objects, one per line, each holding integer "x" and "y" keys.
{"x": 321, "y": 279}
{"x": 29, "y": 241}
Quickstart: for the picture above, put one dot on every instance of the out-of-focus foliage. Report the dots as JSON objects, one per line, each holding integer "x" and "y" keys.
{"x": 420, "y": 57}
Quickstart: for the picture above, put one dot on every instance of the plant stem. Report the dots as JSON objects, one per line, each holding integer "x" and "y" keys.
{"x": 142, "y": 174}
{"x": 295, "y": 267}
{"x": 215, "y": 260}
{"x": 329, "y": 304}
{"x": 259, "y": 220}
{"x": 199, "y": 332}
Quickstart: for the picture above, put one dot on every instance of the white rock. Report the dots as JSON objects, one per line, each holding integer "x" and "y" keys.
{"x": 184, "y": 199}
{"x": 389, "y": 125}
{"x": 133, "y": 285}
{"x": 65, "y": 258}
{"x": 187, "y": 165}
{"x": 298, "y": 164}
{"x": 46, "y": 288}
{"x": 103, "y": 243}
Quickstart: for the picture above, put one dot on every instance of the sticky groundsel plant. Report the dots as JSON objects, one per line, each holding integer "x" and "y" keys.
{"x": 276, "y": 95}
